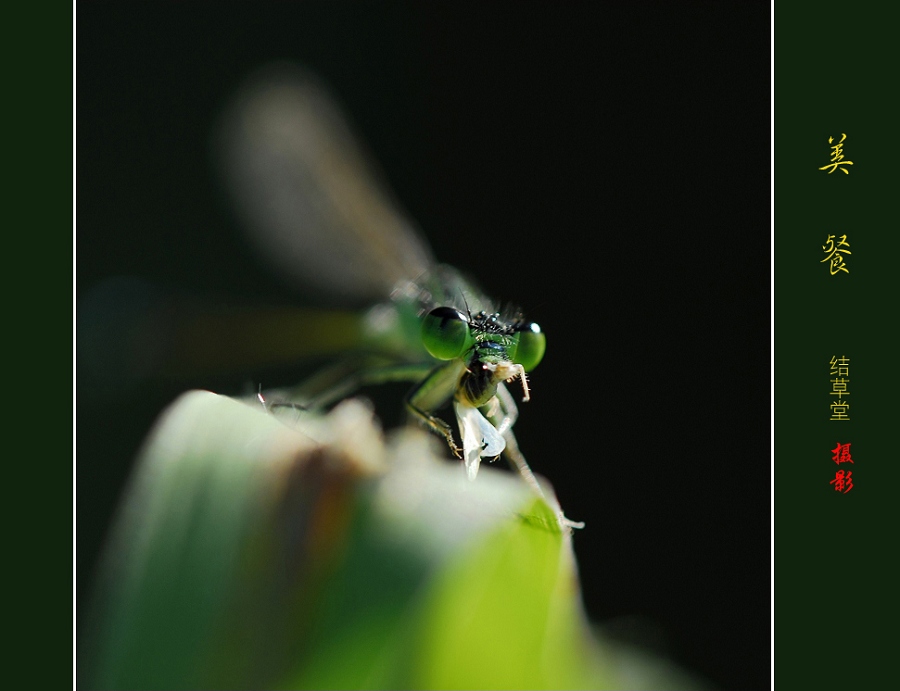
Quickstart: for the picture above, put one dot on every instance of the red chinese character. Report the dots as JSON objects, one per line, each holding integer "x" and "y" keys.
{"x": 841, "y": 454}
{"x": 843, "y": 482}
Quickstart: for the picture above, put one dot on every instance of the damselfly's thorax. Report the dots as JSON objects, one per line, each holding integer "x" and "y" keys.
{"x": 487, "y": 362}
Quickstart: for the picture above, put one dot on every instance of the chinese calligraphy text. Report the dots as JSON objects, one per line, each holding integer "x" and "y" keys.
{"x": 834, "y": 253}
{"x": 841, "y": 453}
{"x": 843, "y": 481}
{"x": 837, "y": 157}
{"x": 840, "y": 369}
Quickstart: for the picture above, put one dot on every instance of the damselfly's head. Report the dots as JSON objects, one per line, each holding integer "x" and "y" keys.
{"x": 494, "y": 349}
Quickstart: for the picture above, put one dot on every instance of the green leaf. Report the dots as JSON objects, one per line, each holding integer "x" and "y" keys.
{"x": 256, "y": 550}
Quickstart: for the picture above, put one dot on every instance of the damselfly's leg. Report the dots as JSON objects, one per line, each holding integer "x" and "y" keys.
{"x": 434, "y": 390}
{"x": 504, "y": 408}
{"x": 270, "y": 406}
{"x": 341, "y": 380}
{"x": 507, "y": 413}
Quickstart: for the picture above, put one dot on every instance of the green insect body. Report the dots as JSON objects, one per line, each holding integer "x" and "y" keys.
{"x": 316, "y": 211}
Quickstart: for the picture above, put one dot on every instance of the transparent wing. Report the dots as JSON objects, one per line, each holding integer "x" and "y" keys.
{"x": 445, "y": 285}
{"x": 308, "y": 197}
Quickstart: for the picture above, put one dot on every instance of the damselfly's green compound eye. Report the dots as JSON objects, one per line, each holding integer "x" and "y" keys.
{"x": 445, "y": 333}
{"x": 531, "y": 346}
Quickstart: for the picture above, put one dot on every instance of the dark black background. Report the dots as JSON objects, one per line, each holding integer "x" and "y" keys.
{"x": 604, "y": 166}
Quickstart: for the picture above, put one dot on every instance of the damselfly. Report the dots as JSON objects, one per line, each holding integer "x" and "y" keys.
{"x": 314, "y": 207}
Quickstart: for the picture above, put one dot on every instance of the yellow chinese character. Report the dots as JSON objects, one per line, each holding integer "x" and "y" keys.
{"x": 833, "y": 254}
{"x": 837, "y": 158}
{"x": 839, "y": 387}
{"x": 839, "y": 411}
{"x": 840, "y": 365}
